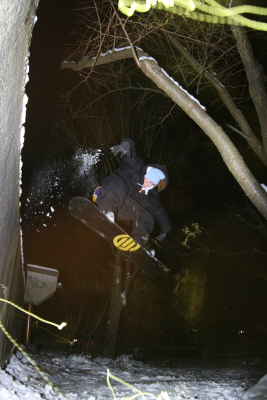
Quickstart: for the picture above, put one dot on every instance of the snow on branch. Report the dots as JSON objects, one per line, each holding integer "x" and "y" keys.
{"x": 142, "y": 58}
{"x": 103, "y": 58}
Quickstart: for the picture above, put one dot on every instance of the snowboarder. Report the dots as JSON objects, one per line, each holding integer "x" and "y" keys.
{"x": 132, "y": 193}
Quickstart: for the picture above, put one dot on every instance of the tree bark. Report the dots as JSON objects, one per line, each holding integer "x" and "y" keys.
{"x": 255, "y": 76}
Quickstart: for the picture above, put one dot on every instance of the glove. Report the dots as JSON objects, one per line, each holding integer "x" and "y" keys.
{"x": 122, "y": 149}
{"x": 162, "y": 235}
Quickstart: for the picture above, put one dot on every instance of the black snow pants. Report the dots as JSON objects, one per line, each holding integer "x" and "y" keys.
{"x": 114, "y": 196}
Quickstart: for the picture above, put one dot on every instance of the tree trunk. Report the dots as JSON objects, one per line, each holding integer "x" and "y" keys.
{"x": 255, "y": 76}
{"x": 115, "y": 308}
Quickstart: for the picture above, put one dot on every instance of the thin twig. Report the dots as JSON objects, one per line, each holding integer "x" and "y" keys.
{"x": 126, "y": 34}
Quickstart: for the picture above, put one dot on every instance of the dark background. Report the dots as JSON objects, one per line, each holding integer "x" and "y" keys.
{"x": 224, "y": 295}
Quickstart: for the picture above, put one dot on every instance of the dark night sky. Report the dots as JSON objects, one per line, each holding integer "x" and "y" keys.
{"x": 75, "y": 251}
{"x": 51, "y": 31}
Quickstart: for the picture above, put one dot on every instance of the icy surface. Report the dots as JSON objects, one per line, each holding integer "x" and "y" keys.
{"x": 80, "y": 377}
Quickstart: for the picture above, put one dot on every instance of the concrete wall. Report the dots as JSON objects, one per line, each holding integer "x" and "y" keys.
{"x": 16, "y": 24}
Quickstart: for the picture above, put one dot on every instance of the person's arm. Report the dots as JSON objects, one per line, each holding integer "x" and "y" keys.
{"x": 130, "y": 161}
{"x": 160, "y": 215}
{"x": 122, "y": 149}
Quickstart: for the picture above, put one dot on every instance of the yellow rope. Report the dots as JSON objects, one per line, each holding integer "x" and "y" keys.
{"x": 162, "y": 396}
{"x": 33, "y": 315}
{"x": 218, "y": 13}
{"x": 30, "y": 360}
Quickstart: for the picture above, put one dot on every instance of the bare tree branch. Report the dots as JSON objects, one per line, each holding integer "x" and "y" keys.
{"x": 248, "y": 134}
{"x": 111, "y": 56}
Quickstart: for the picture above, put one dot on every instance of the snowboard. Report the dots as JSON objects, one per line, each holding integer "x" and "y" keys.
{"x": 87, "y": 212}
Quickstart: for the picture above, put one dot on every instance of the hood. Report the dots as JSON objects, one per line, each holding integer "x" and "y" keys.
{"x": 164, "y": 182}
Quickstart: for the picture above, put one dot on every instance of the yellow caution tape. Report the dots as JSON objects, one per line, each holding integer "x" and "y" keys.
{"x": 24, "y": 352}
{"x": 162, "y": 396}
{"x": 211, "y": 12}
{"x": 62, "y": 325}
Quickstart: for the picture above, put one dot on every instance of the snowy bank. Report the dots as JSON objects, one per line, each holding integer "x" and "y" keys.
{"x": 81, "y": 378}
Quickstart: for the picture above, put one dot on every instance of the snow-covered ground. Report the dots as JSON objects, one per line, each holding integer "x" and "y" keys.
{"x": 79, "y": 377}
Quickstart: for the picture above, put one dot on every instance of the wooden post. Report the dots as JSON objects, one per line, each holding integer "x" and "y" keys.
{"x": 115, "y": 308}
{"x": 28, "y": 326}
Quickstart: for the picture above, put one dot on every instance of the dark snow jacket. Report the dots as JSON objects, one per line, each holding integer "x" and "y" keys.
{"x": 132, "y": 171}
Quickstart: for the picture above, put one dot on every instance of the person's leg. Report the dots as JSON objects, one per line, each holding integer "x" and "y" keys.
{"x": 112, "y": 194}
{"x": 143, "y": 222}
{"x": 125, "y": 212}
